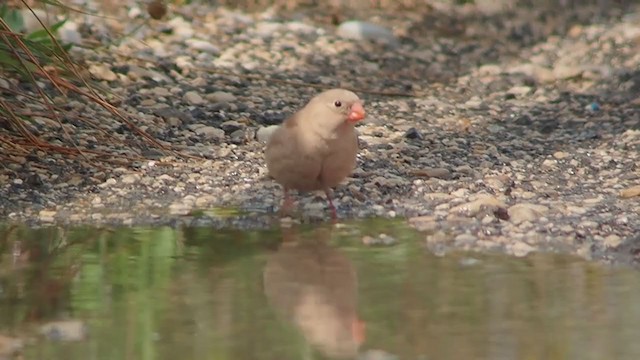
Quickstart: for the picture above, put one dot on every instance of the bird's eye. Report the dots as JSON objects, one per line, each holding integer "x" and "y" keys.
{"x": 337, "y": 103}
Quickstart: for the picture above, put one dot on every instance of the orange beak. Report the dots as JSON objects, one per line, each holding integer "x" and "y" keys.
{"x": 356, "y": 113}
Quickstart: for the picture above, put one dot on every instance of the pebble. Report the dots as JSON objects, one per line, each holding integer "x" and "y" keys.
{"x": 471, "y": 209}
{"x": 381, "y": 239}
{"x": 231, "y": 126}
{"x": 179, "y": 208}
{"x": 64, "y": 330}
{"x": 424, "y": 223}
{"x": 47, "y": 216}
{"x": 193, "y": 98}
{"x": 562, "y": 72}
{"x": 520, "y": 213}
{"x": 439, "y": 173}
{"x": 130, "y": 179}
{"x": 362, "y": 30}
{"x": 201, "y": 45}
{"x": 210, "y": 132}
{"x": 630, "y": 192}
{"x": 221, "y": 97}
{"x": 464, "y": 240}
{"x": 102, "y": 72}
{"x": 560, "y": 155}
{"x": 264, "y": 133}
{"x": 69, "y": 33}
{"x": 520, "y": 249}
{"x": 612, "y": 241}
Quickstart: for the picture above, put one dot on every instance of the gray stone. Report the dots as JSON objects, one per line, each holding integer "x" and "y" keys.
{"x": 520, "y": 213}
{"x": 361, "y": 30}
{"x": 210, "y": 132}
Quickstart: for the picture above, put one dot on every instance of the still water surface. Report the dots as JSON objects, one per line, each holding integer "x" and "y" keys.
{"x": 302, "y": 293}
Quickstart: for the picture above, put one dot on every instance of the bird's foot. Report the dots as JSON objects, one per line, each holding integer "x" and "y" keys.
{"x": 287, "y": 205}
{"x": 334, "y": 213}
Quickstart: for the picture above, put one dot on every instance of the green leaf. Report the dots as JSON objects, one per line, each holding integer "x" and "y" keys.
{"x": 43, "y": 34}
{"x": 14, "y": 19}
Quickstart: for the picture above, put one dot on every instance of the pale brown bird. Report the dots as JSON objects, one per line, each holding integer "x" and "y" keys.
{"x": 315, "y": 286}
{"x": 315, "y": 148}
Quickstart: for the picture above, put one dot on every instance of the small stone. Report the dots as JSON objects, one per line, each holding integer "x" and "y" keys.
{"x": 465, "y": 240}
{"x": 501, "y": 213}
{"x": 549, "y": 163}
{"x": 148, "y": 102}
{"x": 465, "y": 169}
{"x": 129, "y": 179}
{"x": 560, "y": 155}
{"x": 231, "y": 126}
{"x": 472, "y": 208}
{"x": 166, "y": 177}
{"x": 440, "y": 173}
{"x": 193, "y": 98}
{"x": 630, "y": 192}
{"x": 264, "y": 133}
{"x": 109, "y": 182}
{"x": 521, "y": 249}
{"x": 475, "y": 103}
{"x": 424, "y": 223}
{"x": 157, "y": 9}
{"x": 221, "y": 97}
{"x": 520, "y": 213}
{"x": 520, "y": 90}
{"x": 612, "y": 241}
{"x": 201, "y": 45}
{"x": 588, "y": 224}
{"x": 102, "y": 72}
{"x": 69, "y": 33}
{"x": 413, "y": 133}
{"x": 539, "y": 73}
{"x": 469, "y": 262}
{"x": 577, "y": 210}
{"x": 161, "y": 91}
{"x": 386, "y": 239}
{"x": 179, "y": 208}
{"x": 47, "y": 216}
{"x": 361, "y": 30}
{"x": 563, "y": 72}
{"x": 210, "y": 132}
{"x": 67, "y": 330}
{"x": 238, "y": 137}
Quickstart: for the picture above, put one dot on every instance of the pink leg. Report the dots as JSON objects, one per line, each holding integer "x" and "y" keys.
{"x": 287, "y": 203}
{"x": 334, "y": 214}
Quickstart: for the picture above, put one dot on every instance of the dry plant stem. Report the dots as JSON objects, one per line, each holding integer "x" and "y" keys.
{"x": 47, "y": 100}
{"x": 92, "y": 94}
{"x": 13, "y": 146}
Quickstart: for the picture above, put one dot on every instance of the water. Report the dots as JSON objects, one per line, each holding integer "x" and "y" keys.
{"x": 302, "y": 293}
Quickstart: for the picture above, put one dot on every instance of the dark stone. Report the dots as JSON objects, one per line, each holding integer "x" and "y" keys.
{"x": 413, "y": 134}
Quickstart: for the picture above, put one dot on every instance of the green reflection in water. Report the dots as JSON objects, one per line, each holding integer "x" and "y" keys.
{"x": 305, "y": 293}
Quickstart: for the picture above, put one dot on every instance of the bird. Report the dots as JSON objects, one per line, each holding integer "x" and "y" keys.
{"x": 314, "y": 286}
{"x": 316, "y": 147}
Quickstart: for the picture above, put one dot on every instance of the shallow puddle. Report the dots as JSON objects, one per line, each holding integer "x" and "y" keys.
{"x": 302, "y": 293}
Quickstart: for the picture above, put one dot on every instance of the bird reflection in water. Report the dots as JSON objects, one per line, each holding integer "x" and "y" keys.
{"x": 314, "y": 286}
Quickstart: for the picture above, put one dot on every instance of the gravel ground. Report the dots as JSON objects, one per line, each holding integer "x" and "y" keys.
{"x": 510, "y": 129}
